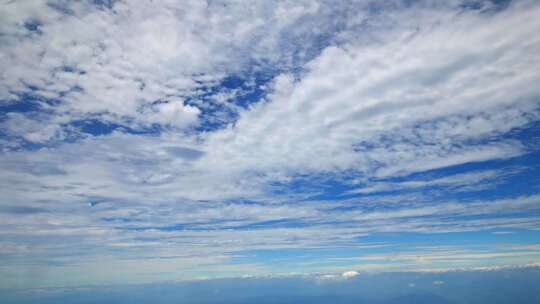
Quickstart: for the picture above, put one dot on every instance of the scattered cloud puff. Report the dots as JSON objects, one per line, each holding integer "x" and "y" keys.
{"x": 502, "y": 232}
{"x": 117, "y": 63}
{"x": 192, "y": 135}
{"x": 349, "y": 274}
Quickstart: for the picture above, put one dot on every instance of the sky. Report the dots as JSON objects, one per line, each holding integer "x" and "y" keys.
{"x": 518, "y": 286}
{"x": 144, "y": 142}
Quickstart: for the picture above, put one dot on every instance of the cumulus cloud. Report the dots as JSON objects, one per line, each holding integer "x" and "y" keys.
{"x": 172, "y": 113}
{"x": 349, "y": 274}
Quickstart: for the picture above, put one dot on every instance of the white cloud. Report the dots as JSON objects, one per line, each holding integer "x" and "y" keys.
{"x": 415, "y": 90}
{"x": 349, "y": 274}
{"x": 122, "y": 60}
{"x": 502, "y": 232}
{"x": 458, "y": 182}
{"x": 392, "y": 94}
{"x": 172, "y": 113}
{"x": 32, "y": 130}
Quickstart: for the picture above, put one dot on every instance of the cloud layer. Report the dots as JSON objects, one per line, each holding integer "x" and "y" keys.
{"x": 195, "y": 135}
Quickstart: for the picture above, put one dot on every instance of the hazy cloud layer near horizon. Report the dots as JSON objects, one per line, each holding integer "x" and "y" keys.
{"x": 188, "y": 139}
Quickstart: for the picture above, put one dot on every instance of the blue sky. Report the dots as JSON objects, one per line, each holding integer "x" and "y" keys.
{"x": 143, "y": 142}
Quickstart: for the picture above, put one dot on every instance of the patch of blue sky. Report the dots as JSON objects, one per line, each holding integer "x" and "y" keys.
{"x": 516, "y": 176}
{"x": 27, "y": 102}
{"x": 104, "y": 4}
{"x": 302, "y": 254}
{"x": 244, "y": 89}
{"x": 464, "y": 238}
{"x": 493, "y": 5}
{"x": 97, "y": 127}
{"x": 395, "y": 249}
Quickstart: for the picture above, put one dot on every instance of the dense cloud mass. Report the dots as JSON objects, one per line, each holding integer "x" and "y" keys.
{"x": 189, "y": 139}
